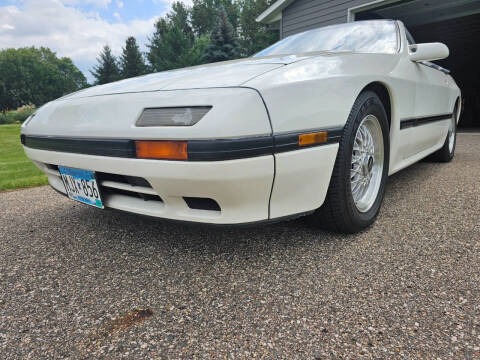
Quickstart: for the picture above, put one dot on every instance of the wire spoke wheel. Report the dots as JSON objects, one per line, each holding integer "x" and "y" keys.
{"x": 367, "y": 163}
{"x": 359, "y": 177}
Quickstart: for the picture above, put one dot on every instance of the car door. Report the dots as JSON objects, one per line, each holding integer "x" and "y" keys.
{"x": 431, "y": 101}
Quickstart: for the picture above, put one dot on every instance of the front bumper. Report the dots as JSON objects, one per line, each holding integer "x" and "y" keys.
{"x": 246, "y": 190}
{"x": 240, "y": 187}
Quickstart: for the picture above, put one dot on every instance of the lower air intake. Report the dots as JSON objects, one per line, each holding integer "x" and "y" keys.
{"x": 197, "y": 203}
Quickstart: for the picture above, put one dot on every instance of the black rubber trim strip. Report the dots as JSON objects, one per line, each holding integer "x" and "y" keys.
{"x": 102, "y": 147}
{"x": 289, "y": 142}
{"x": 408, "y": 123}
{"x": 228, "y": 149}
{"x": 198, "y": 150}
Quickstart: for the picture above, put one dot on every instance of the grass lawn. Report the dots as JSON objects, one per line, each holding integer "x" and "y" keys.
{"x": 16, "y": 170}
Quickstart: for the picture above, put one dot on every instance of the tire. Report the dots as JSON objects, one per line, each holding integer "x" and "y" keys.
{"x": 341, "y": 212}
{"x": 447, "y": 151}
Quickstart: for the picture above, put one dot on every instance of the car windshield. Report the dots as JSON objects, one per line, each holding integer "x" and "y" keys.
{"x": 378, "y": 36}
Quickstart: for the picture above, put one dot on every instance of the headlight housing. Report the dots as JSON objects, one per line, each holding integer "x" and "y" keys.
{"x": 172, "y": 116}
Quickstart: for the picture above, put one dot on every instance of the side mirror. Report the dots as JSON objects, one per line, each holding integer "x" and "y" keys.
{"x": 428, "y": 51}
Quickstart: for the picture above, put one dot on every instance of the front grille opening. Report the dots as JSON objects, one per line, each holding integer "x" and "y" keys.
{"x": 198, "y": 203}
{"x": 112, "y": 191}
{"x": 129, "y": 180}
{"x": 52, "y": 167}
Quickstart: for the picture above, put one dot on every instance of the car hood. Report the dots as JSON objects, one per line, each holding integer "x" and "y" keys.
{"x": 222, "y": 74}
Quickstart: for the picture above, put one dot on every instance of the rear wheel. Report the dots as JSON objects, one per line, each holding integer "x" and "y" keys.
{"x": 358, "y": 181}
{"x": 447, "y": 152}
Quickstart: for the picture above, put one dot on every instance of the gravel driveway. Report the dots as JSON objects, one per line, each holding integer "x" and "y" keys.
{"x": 80, "y": 282}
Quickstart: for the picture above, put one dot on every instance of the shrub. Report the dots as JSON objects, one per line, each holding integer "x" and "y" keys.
{"x": 17, "y": 116}
{"x": 6, "y": 117}
{"x": 23, "y": 112}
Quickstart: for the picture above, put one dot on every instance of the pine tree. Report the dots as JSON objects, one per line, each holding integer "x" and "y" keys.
{"x": 173, "y": 44}
{"x": 131, "y": 60}
{"x": 223, "y": 40}
{"x": 166, "y": 46}
{"x": 255, "y": 36}
{"x": 179, "y": 17}
{"x": 107, "y": 69}
{"x": 204, "y": 14}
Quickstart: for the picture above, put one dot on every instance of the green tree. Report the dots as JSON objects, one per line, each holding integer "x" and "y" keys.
{"x": 253, "y": 35}
{"x": 107, "y": 69}
{"x": 168, "y": 46}
{"x": 179, "y": 16}
{"x": 196, "y": 53}
{"x": 35, "y": 76}
{"x": 204, "y": 14}
{"x": 223, "y": 41}
{"x": 131, "y": 60}
{"x": 173, "y": 44}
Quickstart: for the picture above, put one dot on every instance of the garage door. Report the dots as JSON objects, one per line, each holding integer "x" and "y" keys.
{"x": 453, "y": 22}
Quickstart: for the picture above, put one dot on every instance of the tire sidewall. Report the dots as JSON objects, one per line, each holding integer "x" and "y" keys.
{"x": 368, "y": 103}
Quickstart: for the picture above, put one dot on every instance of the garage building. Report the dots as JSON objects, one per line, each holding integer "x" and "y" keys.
{"x": 453, "y": 22}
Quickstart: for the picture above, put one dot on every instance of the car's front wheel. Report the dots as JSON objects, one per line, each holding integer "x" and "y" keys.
{"x": 358, "y": 181}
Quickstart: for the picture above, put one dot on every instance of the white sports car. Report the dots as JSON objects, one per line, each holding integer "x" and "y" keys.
{"x": 314, "y": 124}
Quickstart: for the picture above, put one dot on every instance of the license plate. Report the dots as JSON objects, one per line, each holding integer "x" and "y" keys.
{"x": 81, "y": 185}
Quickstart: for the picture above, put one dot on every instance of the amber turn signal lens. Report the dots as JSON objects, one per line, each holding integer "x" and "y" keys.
{"x": 312, "y": 138}
{"x": 167, "y": 150}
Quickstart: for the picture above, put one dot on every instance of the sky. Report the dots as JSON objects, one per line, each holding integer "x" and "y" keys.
{"x": 79, "y": 29}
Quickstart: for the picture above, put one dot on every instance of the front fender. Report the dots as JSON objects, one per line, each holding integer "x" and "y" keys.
{"x": 319, "y": 92}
